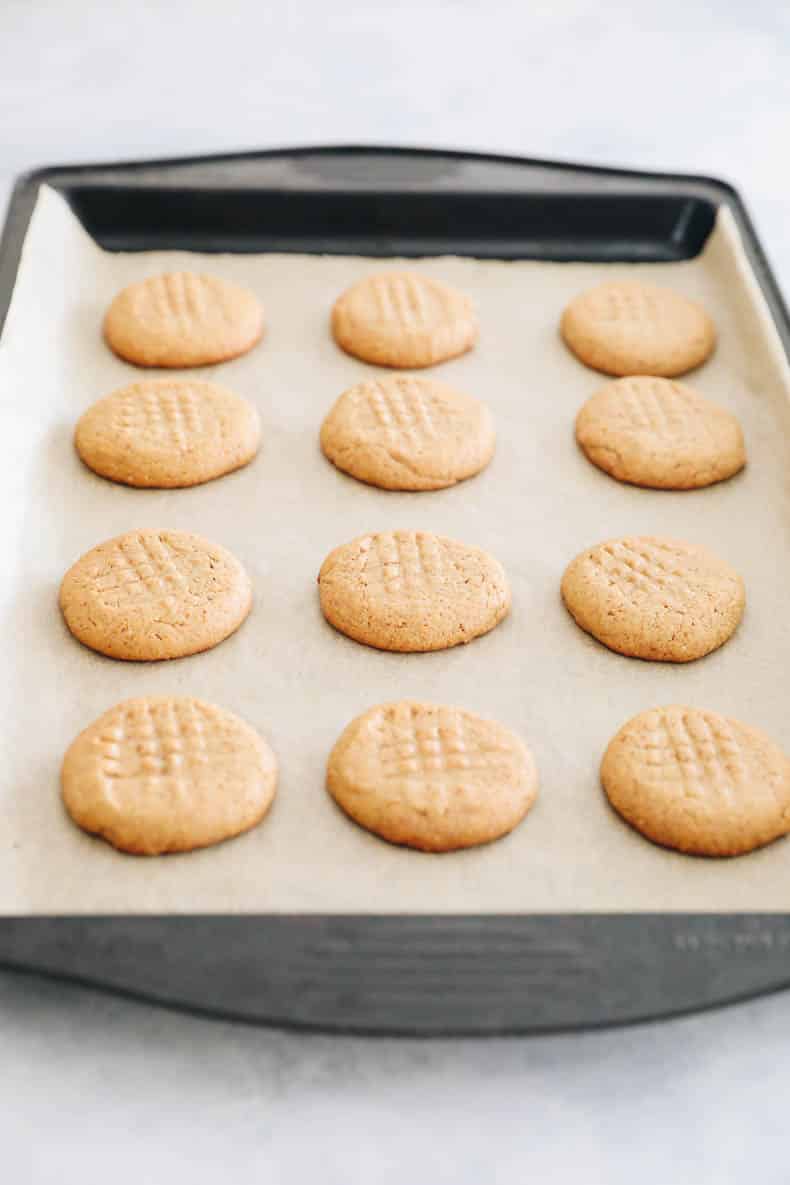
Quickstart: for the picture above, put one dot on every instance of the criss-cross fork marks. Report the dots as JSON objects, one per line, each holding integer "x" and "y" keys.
{"x": 404, "y": 561}
{"x": 403, "y": 300}
{"x": 172, "y": 415}
{"x": 402, "y": 409}
{"x": 183, "y": 301}
{"x": 151, "y": 743}
{"x": 145, "y": 569}
{"x": 627, "y": 304}
{"x": 650, "y": 568}
{"x": 659, "y": 407}
{"x": 427, "y": 745}
{"x": 699, "y": 751}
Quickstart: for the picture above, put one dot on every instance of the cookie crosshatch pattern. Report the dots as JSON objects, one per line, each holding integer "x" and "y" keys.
{"x": 430, "y": 776}
{"x": 408, "y": 433}
{"x": 627, "y": 327}
{"x": 181, "y": 319}
{"x": 155, "y": 594}
{"x": 149, "y": 568}
{"x": 168, "y": 433}
{"x": 645, "y": 569}
{"x": 173, "y": 414}
{"x": 168, "y": 774}
{"x": 661, "y": 407}
{"x": 407, "y": 561}
{"x": 699, "y": 782}
{"x": 694, "y": 748}
{"x": 404, "y": 319}
{"x": 662, "y": 434}
{"x": 417, "y": 741}
{"x": 153, "y": 740}
{"x": 654, "y": 598}
{"x": 412, "y": 591}
{"x": 403, "y": 409}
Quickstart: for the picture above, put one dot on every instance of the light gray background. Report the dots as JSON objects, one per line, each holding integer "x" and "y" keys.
{"x": 94, "y": 1088}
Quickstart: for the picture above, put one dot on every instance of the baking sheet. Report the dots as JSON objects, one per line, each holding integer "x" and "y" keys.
{"x": 298, "y": 681}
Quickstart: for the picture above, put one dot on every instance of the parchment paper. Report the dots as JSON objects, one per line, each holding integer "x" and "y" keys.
{"x": 299, "y": 682}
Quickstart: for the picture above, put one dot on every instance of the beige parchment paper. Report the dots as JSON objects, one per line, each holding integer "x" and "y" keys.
{"x": 298, "y": 681}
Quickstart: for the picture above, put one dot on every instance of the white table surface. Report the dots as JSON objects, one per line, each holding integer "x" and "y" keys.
{"x": 93, "y": 1088}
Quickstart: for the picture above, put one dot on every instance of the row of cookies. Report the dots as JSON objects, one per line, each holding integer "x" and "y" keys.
{"x": 166, "y": 774}
{"x": 398, "y": 432}
{"x": 406, "y": 320}
{"x": 149, "y": 595}
{"x": 182, "y": 319}
{"x": 404, "y": 432}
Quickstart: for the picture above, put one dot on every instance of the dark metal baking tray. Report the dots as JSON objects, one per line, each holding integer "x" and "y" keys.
{"x": 404, "y": 974}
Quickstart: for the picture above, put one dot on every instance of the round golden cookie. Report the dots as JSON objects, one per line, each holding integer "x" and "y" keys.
{"x": 627, "y": 327}
{"x": 431, "y": 777}
{"x": 406, "y": 433}
{"x": 658, "y": 433}
{"x": 654, "y": 598}
{"x": 167, "y": 433}
{"x": 150, "y": 595}
{"x": 412, "y": 591}
{"x": 404, "y": 319}
{"x": 698, "y": 782}
{"x": 183, "y": 319}
{"x": 166, "y": 774}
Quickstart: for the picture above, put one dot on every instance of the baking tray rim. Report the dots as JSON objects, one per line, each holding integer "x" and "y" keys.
{"x": 43, "y": 174}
